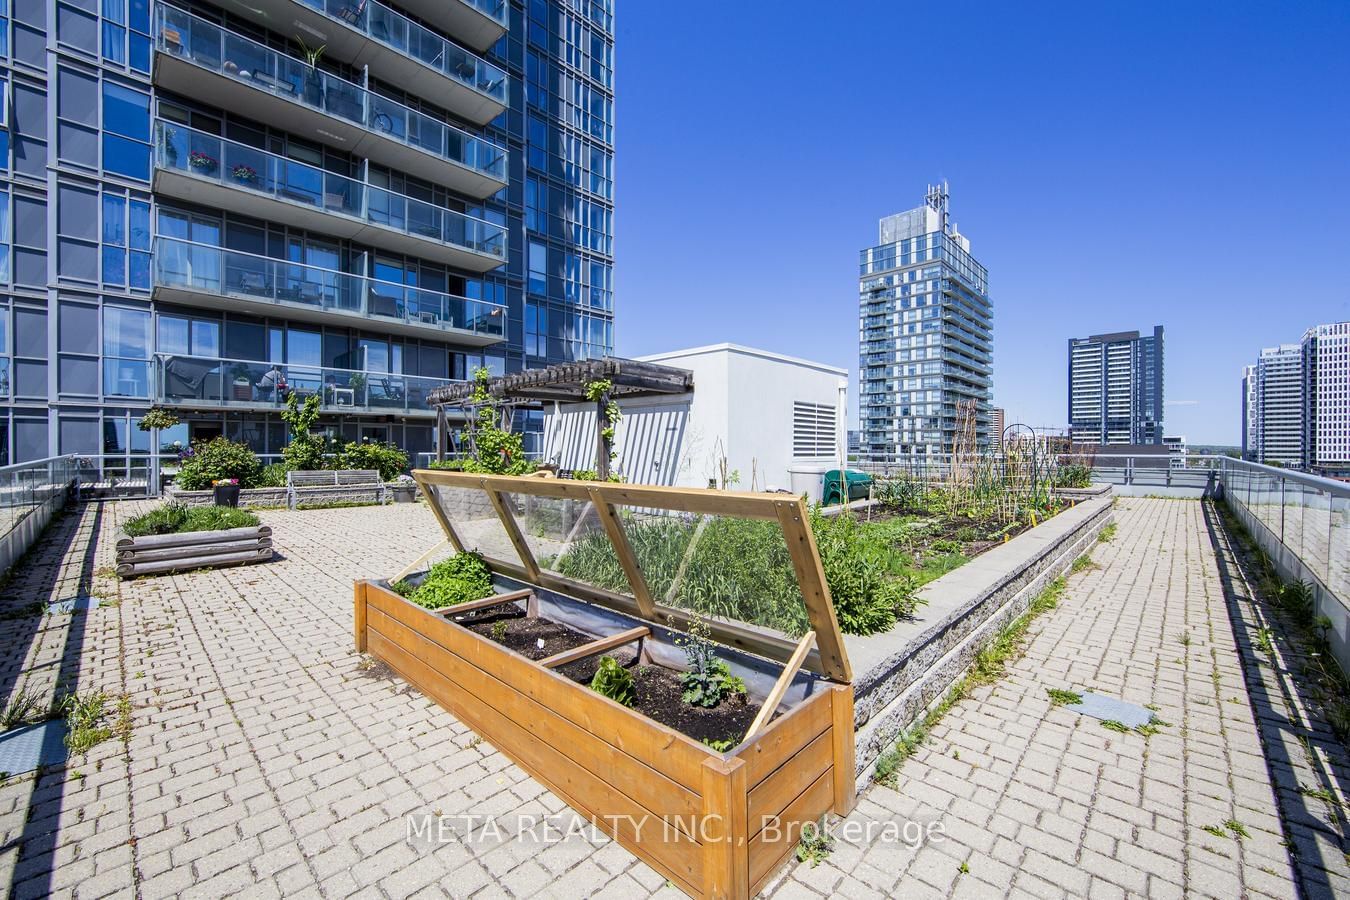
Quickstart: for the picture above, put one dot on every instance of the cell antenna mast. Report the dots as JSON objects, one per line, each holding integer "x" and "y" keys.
{"x": 937, "y": 199}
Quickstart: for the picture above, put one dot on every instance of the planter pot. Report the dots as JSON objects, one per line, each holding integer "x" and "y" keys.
{"x": 226, "y": 494}
{"x": 240, "y": 388}
{"x": 404, "y": 493}
{"x": 156, "y": 554}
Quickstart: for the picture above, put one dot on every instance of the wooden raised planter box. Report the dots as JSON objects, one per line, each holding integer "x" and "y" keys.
{"x": 716, "y": 824}
{"x": 155, "y": 554}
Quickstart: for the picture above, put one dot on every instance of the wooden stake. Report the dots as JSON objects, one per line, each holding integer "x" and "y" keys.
{"x": 594, "y": 647}
{"x": 781, "y": 685}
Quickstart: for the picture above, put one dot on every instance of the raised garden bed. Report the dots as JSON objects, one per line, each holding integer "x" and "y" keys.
{"x": 716, "y": 823}
{"x": 179, "y": 539}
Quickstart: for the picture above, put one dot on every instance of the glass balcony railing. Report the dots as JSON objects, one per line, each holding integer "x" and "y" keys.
{"x": 188, "y": 266}
{"x": 223, "y": 52}
{"x": 217, "y": 382}
{"x": 382, "y": 25}
{"x": 201, "y": 155}
{"x": 493, "y": 9}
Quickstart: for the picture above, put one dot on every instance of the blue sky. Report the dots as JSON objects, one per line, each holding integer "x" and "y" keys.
{"x": 1115, "y": 165}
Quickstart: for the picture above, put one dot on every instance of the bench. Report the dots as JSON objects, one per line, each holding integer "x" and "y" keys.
{"x": 339, "y": 484}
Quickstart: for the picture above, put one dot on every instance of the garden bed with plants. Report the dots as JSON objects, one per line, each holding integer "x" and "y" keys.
{"x": 177, "y": 538}
{"x": 725, "y": 737}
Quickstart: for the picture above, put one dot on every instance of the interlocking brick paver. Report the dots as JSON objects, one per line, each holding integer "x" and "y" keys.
{"x": 1083, "y": 811}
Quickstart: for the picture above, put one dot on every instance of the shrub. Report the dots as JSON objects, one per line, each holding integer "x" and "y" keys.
{"x": 304, "y": 452}
{"x": 273, "y": 475}
{"x": 866, "y": 578}
{"x": 452, "y": 581}
{"x": 213, "y": 460}
{"x": 387, "y": 459}
{"x": 1073, "y": 475}
{"x": 176, "y": 518}
{"x": 613, "y": 681}
{"x": 448, "y": 465}
{"x": 497, "y": 451}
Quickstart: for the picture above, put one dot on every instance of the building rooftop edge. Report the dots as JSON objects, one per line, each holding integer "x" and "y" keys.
{"x": 728, "y": 347}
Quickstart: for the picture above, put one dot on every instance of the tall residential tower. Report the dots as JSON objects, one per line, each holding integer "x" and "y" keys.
{"x": 1280, "y": 402}
{"x": 925, "y": 336}
{"x": 358, "y": 199}
{"x": 1116, "y": 388}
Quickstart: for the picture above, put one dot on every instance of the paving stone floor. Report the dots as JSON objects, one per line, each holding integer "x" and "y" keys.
{"x": 1028, "y": 799}
{"x": 266, "y": 759}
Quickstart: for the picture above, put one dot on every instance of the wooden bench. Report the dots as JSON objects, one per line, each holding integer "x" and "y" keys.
{"x": 336, "y": 484}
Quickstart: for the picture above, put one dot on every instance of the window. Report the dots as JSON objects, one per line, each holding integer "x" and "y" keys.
{"x": 538, "y": 280}
{"x": 126, "y": 352}
{"x": 813, "y": 430}
{"x": 126, "y": 138}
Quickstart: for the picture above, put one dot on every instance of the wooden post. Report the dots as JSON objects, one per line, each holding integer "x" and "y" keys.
{"x": 841, "y": 725}
{"x": 801, "y": 544}
{"x": 359, "y": 618}
{"x": 602, "y": 445}
{"x": 632, "y": 570}
{"x": 726, "y": 852}
{"x": 442, "y": 433}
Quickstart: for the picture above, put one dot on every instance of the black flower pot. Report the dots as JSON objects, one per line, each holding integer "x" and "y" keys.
{"x": 227, "y": 495}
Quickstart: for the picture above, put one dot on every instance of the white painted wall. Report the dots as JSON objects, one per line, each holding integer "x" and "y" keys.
{"x": 741, "y": 408}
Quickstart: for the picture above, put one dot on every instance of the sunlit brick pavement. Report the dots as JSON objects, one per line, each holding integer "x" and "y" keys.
{"x": 264, "y": 759}
{"x": 1035, "y": 800}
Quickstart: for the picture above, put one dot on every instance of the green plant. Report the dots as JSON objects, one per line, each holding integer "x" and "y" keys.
{"x": 1107, "y": 534}
{"x": 721, "y": 745}
{"x": 387, "y": 459}
{"x": 312, "y": 54}
{"x": 1073, "y": 475}
{"x": 448, "y": 465}
{"x": 304, "y": 451}
{"x": 1081, "y": 564}
{"x": 176, "y": 518}
{"x": 83, "y": 714}
{"x": 815, "y": 845}
{"x": 613, "y": 681}
{"x": 1297, "y": 599}
{"x": 459, "y": 579}
{"x": 709, "y": 678}
{"x": 23, "y": 707}
{"x": 1264, "y": 642}
{"x": 1113, "y": 725}
{"x": 1216, "y": 830}
{"x": 214, "y": 460}
{"x": 499, "y": 630}
{"x": 1061, "y": 697}
{"x": 157, "y": 417}
{"x": 1236, "y": 828}
{"x": 403, "y": 587}
{"x": 496, "y": 451}
{"x": 272, "y": 475}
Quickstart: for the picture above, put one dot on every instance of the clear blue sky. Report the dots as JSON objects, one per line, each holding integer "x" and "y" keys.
{"x": 1115, "y": 165}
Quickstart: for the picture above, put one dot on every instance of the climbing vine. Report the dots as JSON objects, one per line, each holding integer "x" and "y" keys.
{"x": 496, "y": 450}
{"x": 598, "y": 392}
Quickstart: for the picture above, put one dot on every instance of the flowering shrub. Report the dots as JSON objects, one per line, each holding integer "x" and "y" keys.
{"x": 244, "y": 173}
{"x": 199, "y": 160}
{"x": 207, "y": 462}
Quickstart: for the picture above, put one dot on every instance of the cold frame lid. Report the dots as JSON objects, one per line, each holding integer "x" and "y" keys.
{"x": 744, "y": 563}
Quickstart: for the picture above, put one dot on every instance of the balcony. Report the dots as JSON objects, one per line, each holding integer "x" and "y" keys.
{"x": 202, "y": 60}
{"x": 395, "y": 48}
{"x": 202, "y": 382}
{"x": 202, "y": 275}
{"x": 205, "y": 169}
{"x": 475, "y": 23}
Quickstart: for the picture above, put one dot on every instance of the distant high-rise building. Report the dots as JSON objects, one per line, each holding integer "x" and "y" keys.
{"x": 925, "y": 335}
{"x": 1250, "y": 413}
{"x": 1116, "y": 388}
{"x": 996, "y": 427}
{"x": 1326, "y": 392}
{"x": 1279, "y": 405}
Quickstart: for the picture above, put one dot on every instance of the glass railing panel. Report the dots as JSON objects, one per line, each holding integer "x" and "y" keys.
{"x": 240, "y": 166}
{"x": 204, "y": 268}
{"x": 208, "y": 45}
{"x": 195, "y": 379}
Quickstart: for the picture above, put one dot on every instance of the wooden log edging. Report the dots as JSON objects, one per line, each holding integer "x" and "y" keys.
{"x": 157, "y": 554}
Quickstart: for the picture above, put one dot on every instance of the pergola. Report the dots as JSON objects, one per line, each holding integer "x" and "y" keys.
{"x": 566, "y": 383}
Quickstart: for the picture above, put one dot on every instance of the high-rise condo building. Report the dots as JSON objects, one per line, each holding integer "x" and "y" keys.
{"x": 1280, "y": 401}
{"x": 1326, "y": 372}
{"x": 212, "y": 206}
{"x": 1251, "y": 412}
{"x": 925, "y": 336}
{"x": 1116, "y": 388}
{"x": 996, "y": 426}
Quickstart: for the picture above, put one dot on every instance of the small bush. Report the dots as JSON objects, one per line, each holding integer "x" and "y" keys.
{"x": 1073, "y": 475}
{"x": 176, "y": 518}
{"x": 448, "y": 465}
{"x": 216, "y": 459}
{"x": 387, "y": 459}
{"x": 272, "y": 476}
{"x": 709, "y": 678}
{"x": 613, "y": 681}
{"x": 453, "y": 581}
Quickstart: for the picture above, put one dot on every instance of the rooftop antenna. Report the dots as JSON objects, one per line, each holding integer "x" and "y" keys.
{"x": 937, "y": 199}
